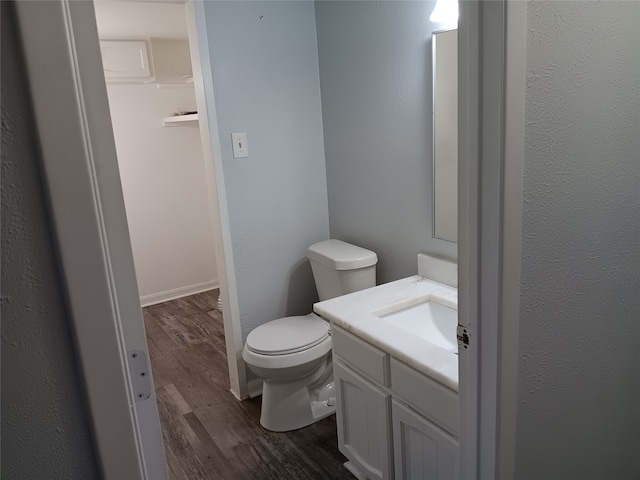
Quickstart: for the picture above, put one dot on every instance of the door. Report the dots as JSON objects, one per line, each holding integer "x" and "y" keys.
{"x": 363, "y": 417}
{"x": 422, "y": 451}
{"x": 78, "y": 153}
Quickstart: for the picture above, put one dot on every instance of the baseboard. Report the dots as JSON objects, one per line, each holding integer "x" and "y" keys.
{"x": 160, "y": 297}
{"x": 254, "y": 386}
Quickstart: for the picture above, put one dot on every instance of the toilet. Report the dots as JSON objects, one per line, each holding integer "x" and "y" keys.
{"x": 292, "y": 355}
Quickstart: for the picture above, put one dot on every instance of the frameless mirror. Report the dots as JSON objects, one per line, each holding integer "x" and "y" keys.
{"x": 445, "y": 135}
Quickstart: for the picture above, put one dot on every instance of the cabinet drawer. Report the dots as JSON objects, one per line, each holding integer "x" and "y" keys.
{"x": 436, "y": 401}
{"x": 359, "y": 354}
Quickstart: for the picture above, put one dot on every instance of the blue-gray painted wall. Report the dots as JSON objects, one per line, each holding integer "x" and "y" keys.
{"x": 376, "y": 83}
{"x": 356, "y": 164}
{"x": 266, "y": 83}
{"x": 45, "y": 425}
{"x": 578, "y": 409}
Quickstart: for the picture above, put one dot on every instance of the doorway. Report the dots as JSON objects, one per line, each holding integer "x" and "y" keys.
{"x": 75, "y": 214}
{"x": 62, "y": 53}
{"x": 175, "y": 203}
{"x": 146, "y": 59}
{"x": 159, "y": 128}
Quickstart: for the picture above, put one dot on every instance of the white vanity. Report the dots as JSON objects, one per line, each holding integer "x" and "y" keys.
{"x": 396, "y": 375}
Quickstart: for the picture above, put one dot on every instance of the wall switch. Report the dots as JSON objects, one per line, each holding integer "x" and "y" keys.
{"x": 240, "y": 146}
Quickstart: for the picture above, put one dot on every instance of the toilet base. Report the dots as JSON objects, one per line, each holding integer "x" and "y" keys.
{"x": 289, "y": 406}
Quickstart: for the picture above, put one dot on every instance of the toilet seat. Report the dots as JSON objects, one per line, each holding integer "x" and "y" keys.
{"x": 288, "y": 335}
{"x": 273, "y": 346}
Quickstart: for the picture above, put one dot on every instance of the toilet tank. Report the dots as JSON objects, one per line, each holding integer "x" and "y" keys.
{"x": 340, "y": 268}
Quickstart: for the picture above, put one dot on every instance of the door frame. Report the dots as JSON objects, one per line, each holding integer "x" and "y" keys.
{"x": 87, "y": 209}
{"x": 81, "y": 176}
{"x": 492, "y": 62}
{"x": 212, "y": 154}
{"x": 61, "y": 50}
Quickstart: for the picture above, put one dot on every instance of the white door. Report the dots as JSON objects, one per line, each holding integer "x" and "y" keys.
{"x": 81, "y": 170}
{"x": 363, "y": 418}
{"x": 468, "y": 241}
{"x": 422, "y": 451}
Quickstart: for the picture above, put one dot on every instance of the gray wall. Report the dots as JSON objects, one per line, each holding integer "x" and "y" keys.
{"x": 45, "y": 427}
{"x": 579, "y": 364}
{"x": 375, "y": 77}
{"x": 266, "y": 82}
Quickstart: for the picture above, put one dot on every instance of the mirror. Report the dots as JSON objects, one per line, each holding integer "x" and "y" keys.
{"x": 445, "y": 135}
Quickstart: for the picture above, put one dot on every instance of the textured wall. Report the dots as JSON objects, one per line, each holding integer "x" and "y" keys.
{"x": 45, "y": 428}
{"x": 265, "y": 74}
{"x": 579, "y": 367}
{"x": 375, "y": 75}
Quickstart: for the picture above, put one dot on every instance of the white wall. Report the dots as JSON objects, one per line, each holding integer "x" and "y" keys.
{"x": 143, "y": 19}
{"x": 164, "y": 191}
{"x": 579, "y": 353}
{"x": 162, "y": 168}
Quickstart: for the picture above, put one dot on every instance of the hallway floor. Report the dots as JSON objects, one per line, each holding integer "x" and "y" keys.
{"x": 208, "y": 434}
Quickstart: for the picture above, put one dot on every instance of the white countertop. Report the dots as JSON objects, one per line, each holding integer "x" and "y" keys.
{"x": 353, "y": 312}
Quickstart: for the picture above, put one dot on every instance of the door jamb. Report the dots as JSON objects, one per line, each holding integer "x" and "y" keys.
{"x": 512, "y": 190}
{"x": 87, "y": 208}
{"x": 212, "y": 154}
{"x": 492, "y": 48}
{"x": 484, "y": 453}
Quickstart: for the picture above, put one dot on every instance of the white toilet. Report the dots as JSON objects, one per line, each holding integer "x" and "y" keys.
{"x": 293, "y": 354}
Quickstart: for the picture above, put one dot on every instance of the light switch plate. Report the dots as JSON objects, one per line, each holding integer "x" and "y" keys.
{"x": 240, "y": 146}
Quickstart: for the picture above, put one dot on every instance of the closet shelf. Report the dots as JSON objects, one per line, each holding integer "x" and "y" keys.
{"x": 178, "y": 120}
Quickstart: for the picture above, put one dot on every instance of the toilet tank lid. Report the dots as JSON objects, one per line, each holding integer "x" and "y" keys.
{"x": 340, "y": 255}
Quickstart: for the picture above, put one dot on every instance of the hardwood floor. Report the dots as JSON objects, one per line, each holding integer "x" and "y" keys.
{"x": 208, "y": 434}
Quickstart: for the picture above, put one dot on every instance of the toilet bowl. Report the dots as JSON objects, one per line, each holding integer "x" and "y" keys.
{"x": 296, "y": 368}
{"x": 292, "y": 355}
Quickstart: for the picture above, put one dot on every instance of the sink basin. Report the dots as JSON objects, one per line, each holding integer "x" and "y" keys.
{"x": 429, "y": 320}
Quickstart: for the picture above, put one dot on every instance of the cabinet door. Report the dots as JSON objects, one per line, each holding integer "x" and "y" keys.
{"x": 125, "y": 61}
{"x": 363, "y": 414}
{"x": 422, "y": 451}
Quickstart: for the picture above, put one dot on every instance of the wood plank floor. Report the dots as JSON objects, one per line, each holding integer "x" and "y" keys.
{"x": 208, "y": 434}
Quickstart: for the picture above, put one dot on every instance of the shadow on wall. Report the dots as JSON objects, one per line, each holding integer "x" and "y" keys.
{"x": 301, "y": 288}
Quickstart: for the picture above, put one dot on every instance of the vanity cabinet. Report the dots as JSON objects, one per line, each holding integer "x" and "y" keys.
{"x": 393, "y": 421}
